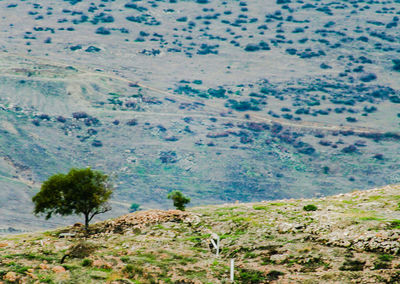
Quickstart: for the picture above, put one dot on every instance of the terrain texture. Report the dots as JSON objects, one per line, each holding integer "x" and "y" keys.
{"x": 223, "y": 100}
{"x": 348, "y": 238}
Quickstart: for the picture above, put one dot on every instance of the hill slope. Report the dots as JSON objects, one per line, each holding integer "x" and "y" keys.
{"x": 223, "y": 100}
{"x": 350, "y": 238}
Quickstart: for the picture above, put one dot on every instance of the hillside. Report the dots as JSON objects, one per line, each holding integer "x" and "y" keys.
{"x": 350, "y": 238}
{"x": 223, "y": 100}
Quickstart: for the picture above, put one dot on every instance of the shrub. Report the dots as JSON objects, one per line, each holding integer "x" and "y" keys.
{"x": 310, "y": 207}
{"x": 385, "y": 257}
{"x": 134, "y": 207}
{"x": 92, "y": 49}
{"x": 103, "y": 31}
{"x": 61, "y": 119}
{"x": 131, "y": 122}
{"x": 178, "y": 199}
{"x": 97, "y": 143}
{"x": 349, "y": 149}
{"x": 382, "y": 265}
{"x": 396, "y": 64}
{"x": 36, "y": 122}
{"x": 351, "y": 119}
{"x": 133, "y": 270}
{"x": 252, "y": 47}
{"x": 274, "y": 275}
{"x": 79, "y": 114}
{"x": 352, "y": 265}
{"x": 251, "y": 276}
{"x": 87, "y": 262}
{"x": 368, "y": 77}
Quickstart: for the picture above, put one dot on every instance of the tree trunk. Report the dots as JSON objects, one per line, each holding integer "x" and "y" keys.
{"x": 87, "y": 222}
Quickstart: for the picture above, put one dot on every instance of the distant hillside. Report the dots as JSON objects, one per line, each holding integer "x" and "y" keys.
{"x": 223, "y": 100}
{"x": 348, "y": 238}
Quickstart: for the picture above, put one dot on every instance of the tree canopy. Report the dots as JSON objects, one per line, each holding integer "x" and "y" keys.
{"x": 178, "y": 199}
{"x": 80, "y": 191}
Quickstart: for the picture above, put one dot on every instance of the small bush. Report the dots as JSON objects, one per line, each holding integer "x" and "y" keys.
{"x": 103, "y": 31}
{"x": 396, "y": 64}
{"x": 132, "y": 122}
{"x": 97, "y": 143}
{"x": 310, "y": 207}
{"x": 274, "y": 275}
{"x": 79, "y": 114}
{"x": 386, "y": 257}
{"x": 178, "y": 199}
{"x": 134, "y": 207}
{"x": 87, "y": 262}
{"x": 352, "y": 265}
{"x": 382, "y": 265}
{"x": 133, "y": 270}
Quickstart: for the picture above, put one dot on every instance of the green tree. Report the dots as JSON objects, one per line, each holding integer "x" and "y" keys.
{"x": 179, "y": 199}
{"x": 80, "y": 191}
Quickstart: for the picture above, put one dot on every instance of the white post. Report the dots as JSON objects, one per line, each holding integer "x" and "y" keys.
{"x": 232, "y": 270}
{"x": 215, "y": 244}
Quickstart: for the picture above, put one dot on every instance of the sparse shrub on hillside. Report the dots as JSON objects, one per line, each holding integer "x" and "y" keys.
{"x": 134, "y": 207}
{"x": 103, "y": 31}
{"x": 352, "y": 265}
{"x": 61, "y": 119}
{"x": 89, "y": 121}
{"x": 133, "y": 270}
{"x": 368, "y": 77}
{"x": 36, "y": 122}
{"x": 274, "y": 275}
{"x": 80, "y": 114}
{"x": 178, "y": 199}
{"x": 351, "y": 119}
{"x": 250, "y": 276}
{"x": 97, "y": 143}
{"x": 243, "y": 105}
{"x": 396, "y": 64}
{"x": 92, "y": 49}
{"x": 349, "y": 149}
{"x": 132, "y": 122}
{"x": 87, "y": 262}
{"x": 310, "y": 207}
{"x": 379, "y": 157}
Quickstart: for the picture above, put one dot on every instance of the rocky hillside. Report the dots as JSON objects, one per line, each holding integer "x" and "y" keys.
{"x": 348, "y": 238}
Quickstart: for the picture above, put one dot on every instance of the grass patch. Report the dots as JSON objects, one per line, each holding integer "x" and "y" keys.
{"x": 261, "y": 207}
{"x": 371, "y": 218}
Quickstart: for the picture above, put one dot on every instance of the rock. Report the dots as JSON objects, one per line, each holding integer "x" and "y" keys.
{"x": 31, "y": 275}
{"x": 285, "y": 228}
{"x": 101, "y": 264}
{"x": 58, "y": 269}
{"x": 278, "y": 258}
{"x": 44, "y": 266}
{"x": 11, "y": 277}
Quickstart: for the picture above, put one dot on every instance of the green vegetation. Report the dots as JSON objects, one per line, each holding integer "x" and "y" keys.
{"x": 352, "y": 265}
{"x": 178, "y": 199}
{"x": 310, "y": 207}
{"x": 134, "y": 207}
{"x": 80, "y": 191}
